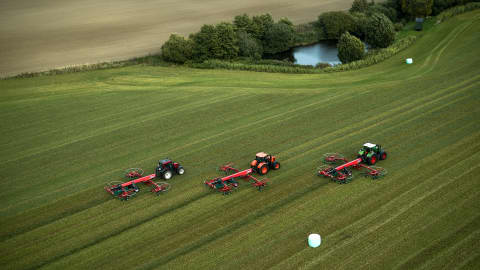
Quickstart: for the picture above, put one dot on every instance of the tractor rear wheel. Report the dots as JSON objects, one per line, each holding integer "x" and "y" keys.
{"x": 167, "y": 175}
{"x": 263, "y": 169}
{"x": 372, "y": 160}
{"x": 180, "y": 170}
{"x": 383, "y": 155}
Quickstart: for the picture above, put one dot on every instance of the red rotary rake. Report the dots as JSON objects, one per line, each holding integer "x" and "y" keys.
{"x": 228, "y": 183}
{"x": 342, "y": 174}
{"x": 126, "y": 190}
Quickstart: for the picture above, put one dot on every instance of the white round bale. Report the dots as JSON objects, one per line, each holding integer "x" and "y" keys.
{"x": 314, "y": 240}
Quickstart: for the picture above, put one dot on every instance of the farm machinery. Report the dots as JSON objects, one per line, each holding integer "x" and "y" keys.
{"x": 128, "y": 189}
{"x": 261, "y": 164}
{"x": 366, "y": 157}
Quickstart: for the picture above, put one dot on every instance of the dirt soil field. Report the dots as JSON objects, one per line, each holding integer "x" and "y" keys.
{"x": 46, "y": 34}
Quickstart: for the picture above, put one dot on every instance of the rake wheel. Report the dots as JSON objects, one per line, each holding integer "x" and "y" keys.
{"x": 112, "y": 184}
{"x": 219, "y": 169}
{"x": 348, "y": 178}
{"x": 332, "y": 158}
{"x": 378, "y": 172}
{"x": 133, "y": 173}
{"x": 322, "y": 168}
{"x": 164, "y": 187}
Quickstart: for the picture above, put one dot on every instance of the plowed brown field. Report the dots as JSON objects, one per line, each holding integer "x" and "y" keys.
{"x": 46, "y": 34}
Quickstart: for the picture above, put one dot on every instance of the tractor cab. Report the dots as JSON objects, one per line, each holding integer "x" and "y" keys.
{"x": 264, "y": 157}
{"x": 165, "y": 163}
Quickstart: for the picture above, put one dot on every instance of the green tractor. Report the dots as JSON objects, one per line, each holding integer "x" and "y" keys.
{"x": 371, "y": 153}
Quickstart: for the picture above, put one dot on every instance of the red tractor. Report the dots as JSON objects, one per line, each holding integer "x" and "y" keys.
{"x": 263, "y": 162}
{"x": 166, "y": 168}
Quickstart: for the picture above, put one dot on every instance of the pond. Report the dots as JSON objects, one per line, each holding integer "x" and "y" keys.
{"x": 323, "y": 52}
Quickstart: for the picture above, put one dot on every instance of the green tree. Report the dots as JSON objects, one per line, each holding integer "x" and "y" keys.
{"x": 218, "y": 42}
{"x": 390, "y": 12}
{"x": 248, "y": 46}
{"x": 359, "y": 6}
{"x": 204, "y": 43}
{"x": 177, "y": 49}
{"x": 361, "y": 22}
{"x": 278, "y": 38}
{"x": 417, "y": 8}
{"x": 261, "y": 24}
{"x": 227, "y": 41}
{"x": 244, "y": 23}
{"x": 350, "y": 48}
{"x": 380, "y": 32}
{"x": 332, "y": 25}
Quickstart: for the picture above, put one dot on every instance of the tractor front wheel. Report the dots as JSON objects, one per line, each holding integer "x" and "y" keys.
{"x": 276, "y": 165}
{"x": 167, "y": 175}
{"x": 180, "y": 170}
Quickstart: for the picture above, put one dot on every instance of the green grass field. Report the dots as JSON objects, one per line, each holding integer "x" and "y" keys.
{"x": 63, "y": 137}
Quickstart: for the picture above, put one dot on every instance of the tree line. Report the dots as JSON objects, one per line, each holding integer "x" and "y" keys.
{"x": 257, "y": 36}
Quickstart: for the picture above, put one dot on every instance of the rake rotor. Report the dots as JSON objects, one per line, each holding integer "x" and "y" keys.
{"x": 333, "y": 158}
{"x": 133, "y": 173}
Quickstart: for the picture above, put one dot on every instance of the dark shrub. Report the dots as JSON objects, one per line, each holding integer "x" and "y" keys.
{"x": 278, "y": 38}
{"x": 334, "y": 24}
{"x": 359, "y": 6}
{"x": 177, "y": 49}
{"x": 350, "y": 48}
{"x": 380, "y": 31}
{"x": 248, "y": 46}
{"x": 218, "y": 42}
{"x": 361, "y": 22}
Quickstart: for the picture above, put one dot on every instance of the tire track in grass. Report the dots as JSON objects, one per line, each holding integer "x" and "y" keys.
{"x": 322, "y": 136}
{"x": 426, "y": 257}
{"x": 471, "y": 262}
{"x": 449, "y": 160}
{"x": 287, "y": 112}
{"x": 450, "y": 38}
{"x": 60, "y": 190}
{"x": 234, "y": 130}
{"x": 118, "y": 126}
{"x": 116, "y": 233}
{"x": 445, "y": 39}
{"x": 401, "y": 211}
{"x": 423, "y": 258}
{"x": 396, "y": 237}
{"x": 285, "y": 263}
{"x": 464, "y": 247}
{"x": 398, "y": 113}
{"x": 210, "y": 238}
{"x": 232, "y": 227}
{"x": 271, "y": 212}
{"x": 101, "y": 116}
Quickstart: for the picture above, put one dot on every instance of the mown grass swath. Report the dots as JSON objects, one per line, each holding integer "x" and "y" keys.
{"x": 63, "y": 137}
